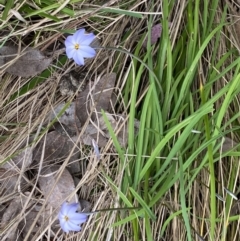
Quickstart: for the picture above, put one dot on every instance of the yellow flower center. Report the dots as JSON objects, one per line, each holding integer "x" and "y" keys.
{"x": 66, "y": 218}
{"x": 76, "y": 46}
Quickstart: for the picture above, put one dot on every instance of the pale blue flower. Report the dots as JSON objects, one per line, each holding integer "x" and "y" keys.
{"x": 96, "y": 149}
{"x": 78, "y": 46}
{"x": 69, "y": 218}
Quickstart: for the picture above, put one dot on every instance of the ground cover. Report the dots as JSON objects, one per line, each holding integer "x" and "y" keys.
{"x": 146, "y": 131}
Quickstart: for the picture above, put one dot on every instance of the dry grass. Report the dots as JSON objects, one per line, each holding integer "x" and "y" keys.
{"x": 22, "y": 119}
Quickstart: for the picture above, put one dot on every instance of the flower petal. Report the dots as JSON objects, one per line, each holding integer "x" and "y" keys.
{"x": 87, "y": 52}
{"x": 78, "y": 217}
{"x": 64, "y": 208}
{"x": 72, "y": 209}
{"x": 65, "y": 226}
{"x": 78, "y": 58}
{"x": 61, "y": 215}
{"x": 73, "y": 226}
{"x": 69, "y": 41}
{"x": 70, "y": 52}
{"x": 68, "y": 207}
{"x": 79, "y": 35}
{"x": 88, "y": 38}
{"x": 62, "y": 222}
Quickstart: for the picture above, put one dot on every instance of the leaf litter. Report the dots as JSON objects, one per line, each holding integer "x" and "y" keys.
{"x": 14, "y": 212}
{"x": 27, "y": 63}
{"x": 56, "y": 145}
{"x": 54, "y": 148}
{"x": 55, "y": 188}
{"x": 12, "y": 171}
{"x": 95, "y": 97}
{"x": 82, "y": 116}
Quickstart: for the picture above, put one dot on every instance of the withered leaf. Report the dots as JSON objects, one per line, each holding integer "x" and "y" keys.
{"x": 97, "y": 95}
{"x": 10, "y": 181}
{"x": 2, "y": 210}
{"x": 21, "y": 161}
{"x": 11, "y": 212}
{"x": 228, "y": 144}
{"x": 119, "y": 125}
{"x": 235, "y": 210}
{"x": 95, "y": 43}
{"x": 58, "y": 189}
{"x": 85, "y": 205}
{"x": 11, "y": 178}
{"x": 42, "y": 223}
{"x": 68, "y": 118}
{"x": 57, "y": 147}
{"x": 28, "y": 63}
{"x": 98, "y": 137}
{"x": 11, "y": 227}
{"x": 156, "y": 33}
{"x": 25, "y": 225}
